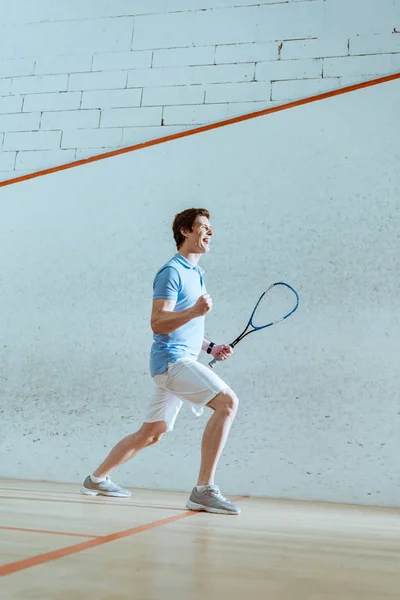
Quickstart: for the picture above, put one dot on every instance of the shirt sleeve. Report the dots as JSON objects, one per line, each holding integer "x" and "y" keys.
{"x": 166, "y": 284}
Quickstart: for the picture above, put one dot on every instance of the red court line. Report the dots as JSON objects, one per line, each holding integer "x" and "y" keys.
{"x": 47, "y": 557}
{"x": 46, "y": 531}
{"x": 176, "y": 136}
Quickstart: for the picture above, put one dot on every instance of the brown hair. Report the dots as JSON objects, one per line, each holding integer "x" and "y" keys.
{"x": 185, "y": 220}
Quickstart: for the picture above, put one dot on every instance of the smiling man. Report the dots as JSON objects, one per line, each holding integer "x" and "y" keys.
{"x": 180, "y": 303}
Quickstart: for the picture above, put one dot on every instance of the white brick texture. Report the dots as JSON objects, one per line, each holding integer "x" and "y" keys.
{"x": 73, "y": 63}
{"x": 102, "y": 80}
{"x": 184, "y": 57}
{"x": 294, "y": 90}
{"x": 54, "y": 101}
{"x": 234, "y": 26}
{"x": 97, "y": 74}
{"x": 375, "y": 44}
{"x": 19, "y": 122}
{"x": 57, "y": 38}
{"x": 245, "y": 53}
{"x": 122, "y": 60}
{"x": 111, "y": 98}
{"x": 70, "y": 119}
{"x": 289, "y": 69}
{"x": 175, "y": 95}
{"x": 42, "y": 159}
{"x": 360, "y": 17}
{"x": 235, "y": 109}
{"x": 194, "y": 115}
{"x": 361, "y": 65}
{"x": 349, "y": 81}
{"x": 128, "y": 117}
{"x": 10, "y": 104}
{"x": 139, "y": 135}
{"x": 210, "y": 113}
{"x": 36, "y": 140}
{"x": 91, "y": 138}
{"x": 60, "y": 11}
{"x": 16, "y": 68}
{"x": 7, "y": 161}
{"x": 39, "y": 83}
{"x": 238, "y": 92}
{"x": 43, "y": 10}
{"x": 200, "y": 5}
{"x": 190, "y": 75}
{"x": 296, "y": 49}
{"x": 5, "y": 86}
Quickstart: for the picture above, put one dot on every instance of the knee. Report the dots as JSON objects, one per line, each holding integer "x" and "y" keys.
{"x": 151, "y": 433}
{"x": 151, "y": 440}
{"x": 228, "y": 403}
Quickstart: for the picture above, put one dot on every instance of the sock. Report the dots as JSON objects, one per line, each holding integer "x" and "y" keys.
{"x": 97, "y": 479}
{"x": 202, "y": 488}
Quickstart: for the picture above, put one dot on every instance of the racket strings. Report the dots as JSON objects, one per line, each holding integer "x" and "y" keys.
{"x": 276, "y": 303}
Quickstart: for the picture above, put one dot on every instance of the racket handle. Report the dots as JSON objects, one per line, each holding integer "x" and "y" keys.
{"x": 212, "y": 363}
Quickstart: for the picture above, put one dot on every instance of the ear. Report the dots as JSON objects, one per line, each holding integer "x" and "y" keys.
{"x": 184, "y": 232}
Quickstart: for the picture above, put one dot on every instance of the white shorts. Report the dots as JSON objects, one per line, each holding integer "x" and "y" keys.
{"x": 185, "y": 380}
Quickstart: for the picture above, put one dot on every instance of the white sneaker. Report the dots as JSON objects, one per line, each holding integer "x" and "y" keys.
{"x": 104, "y": 488}
{"x": 212, "y": 501}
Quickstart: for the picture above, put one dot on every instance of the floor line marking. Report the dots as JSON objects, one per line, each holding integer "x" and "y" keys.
{"x": 47, "y": 557}
{"x": 87, "y": 535}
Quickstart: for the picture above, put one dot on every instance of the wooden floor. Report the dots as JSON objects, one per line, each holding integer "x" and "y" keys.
{"x": 57, "y": 544}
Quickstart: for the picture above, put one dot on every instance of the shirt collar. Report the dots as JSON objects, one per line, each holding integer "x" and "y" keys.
{"x": 186, "y": 263}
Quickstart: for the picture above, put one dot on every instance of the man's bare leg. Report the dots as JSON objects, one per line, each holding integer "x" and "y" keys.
{"x": 206, "y": 495}
{"x": 216, "y": 433}
{"x": 127, "y": 448}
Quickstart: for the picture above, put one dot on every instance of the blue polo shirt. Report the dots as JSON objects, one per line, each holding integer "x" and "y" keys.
{"x": 181, "y": 281}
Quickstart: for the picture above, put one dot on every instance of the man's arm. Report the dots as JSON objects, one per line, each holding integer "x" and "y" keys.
{"x": 205, "y": 345}
{"x": 164, "y": 320}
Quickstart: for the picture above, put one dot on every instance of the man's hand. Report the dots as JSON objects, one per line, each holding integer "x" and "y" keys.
{"x": 202, "y": 306}
{"x": 222, "y": 351}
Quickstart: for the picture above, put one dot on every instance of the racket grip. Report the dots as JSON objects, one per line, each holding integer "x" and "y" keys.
{"x": 212, "y": 363}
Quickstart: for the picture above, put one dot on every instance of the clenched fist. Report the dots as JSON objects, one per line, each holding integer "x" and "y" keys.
{"x": 203, "y": 305}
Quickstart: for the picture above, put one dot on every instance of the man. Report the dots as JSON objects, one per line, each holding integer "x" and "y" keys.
{"x": 180, "y": 303}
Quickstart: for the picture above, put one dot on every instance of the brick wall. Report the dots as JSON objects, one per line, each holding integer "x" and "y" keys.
{"x": 80, "y": 78}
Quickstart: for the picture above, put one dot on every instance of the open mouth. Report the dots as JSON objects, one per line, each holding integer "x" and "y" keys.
{"x": 206, "y": 241}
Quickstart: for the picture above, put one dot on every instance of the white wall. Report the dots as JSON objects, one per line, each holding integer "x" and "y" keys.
{"x": 308, "y": 196}
{"x": 82, "y": 77}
